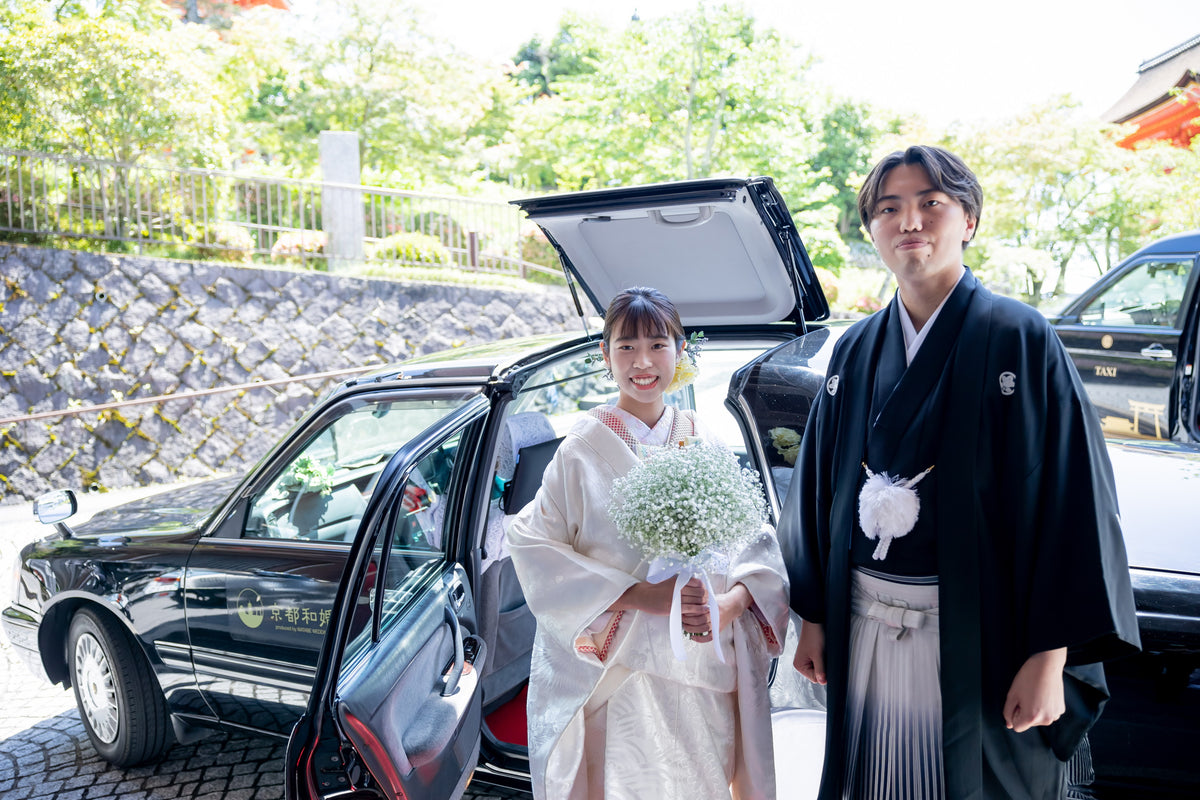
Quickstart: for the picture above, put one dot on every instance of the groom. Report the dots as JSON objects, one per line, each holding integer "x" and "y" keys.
{"x": 1007, "y": 577}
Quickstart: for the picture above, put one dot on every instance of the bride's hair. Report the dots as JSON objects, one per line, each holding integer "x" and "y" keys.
{"x": 642, "y": 311}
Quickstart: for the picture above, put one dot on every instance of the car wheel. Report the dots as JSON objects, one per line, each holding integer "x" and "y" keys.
{"x": 122, "y": 707}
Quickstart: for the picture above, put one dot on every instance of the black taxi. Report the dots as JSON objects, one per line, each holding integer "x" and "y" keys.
{"x": 1132, "y": 336}
{"x": 352, "y": 593}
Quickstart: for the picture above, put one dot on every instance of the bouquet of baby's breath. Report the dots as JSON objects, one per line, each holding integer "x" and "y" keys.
{"x": 684, "y": 501}
{"x": 689, "y": 509}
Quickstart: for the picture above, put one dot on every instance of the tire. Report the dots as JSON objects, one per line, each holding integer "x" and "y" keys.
{"x": 118, "y": 696}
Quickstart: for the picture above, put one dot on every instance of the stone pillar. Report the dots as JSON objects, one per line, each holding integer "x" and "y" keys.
{"x": 341, "y": 208}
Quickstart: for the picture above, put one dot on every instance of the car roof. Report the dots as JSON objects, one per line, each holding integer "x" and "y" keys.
{"x": 1176, "y": 243}
{"x": 474, "y": 363}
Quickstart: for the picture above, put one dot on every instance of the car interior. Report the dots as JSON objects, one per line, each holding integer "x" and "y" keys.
{"x": 322, "y": 491}
{"x": 1149, "y": 295}
{"x": 533, "y": 425}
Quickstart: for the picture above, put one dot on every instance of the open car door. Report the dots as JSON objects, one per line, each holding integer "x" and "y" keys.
{"x": 395, "y": 709}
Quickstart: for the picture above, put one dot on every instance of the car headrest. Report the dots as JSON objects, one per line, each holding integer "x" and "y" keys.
{"x": 520, "y": 430}
{"x": 527, "y": 479}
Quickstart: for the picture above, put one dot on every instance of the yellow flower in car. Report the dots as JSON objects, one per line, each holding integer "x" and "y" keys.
{"x": 786, "y": 442}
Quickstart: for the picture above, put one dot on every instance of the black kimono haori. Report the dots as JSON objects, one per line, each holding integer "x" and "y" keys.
{"x": 1018, "y": 521}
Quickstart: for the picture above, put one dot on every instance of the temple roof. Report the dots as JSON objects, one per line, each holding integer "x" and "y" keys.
{"x": 1156, "y": 77}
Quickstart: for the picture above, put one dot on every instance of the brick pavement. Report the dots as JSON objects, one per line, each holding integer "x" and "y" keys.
{"x": 45, "y": 753}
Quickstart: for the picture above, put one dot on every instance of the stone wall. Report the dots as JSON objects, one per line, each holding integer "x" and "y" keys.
{"x": 79, "y": 329}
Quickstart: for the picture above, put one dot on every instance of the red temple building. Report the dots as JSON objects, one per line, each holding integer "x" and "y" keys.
{"x": 190, "y": 10}
{"x": 1164, "y": 102}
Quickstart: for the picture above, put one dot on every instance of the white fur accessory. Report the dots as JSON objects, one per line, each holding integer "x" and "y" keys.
{"x": 888, "y": 508}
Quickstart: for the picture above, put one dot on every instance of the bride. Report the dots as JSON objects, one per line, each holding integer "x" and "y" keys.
{"x": 612, "y": 712}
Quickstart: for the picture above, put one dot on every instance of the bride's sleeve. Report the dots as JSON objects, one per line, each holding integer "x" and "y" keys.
{"x": 566, "y": 590}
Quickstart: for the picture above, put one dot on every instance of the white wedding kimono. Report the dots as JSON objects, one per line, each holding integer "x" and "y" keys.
{"x": 611, "y": 710}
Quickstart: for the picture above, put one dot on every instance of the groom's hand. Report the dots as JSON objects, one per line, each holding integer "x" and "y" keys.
{"x": 810, "y": 652}
{"x": 1036, "y": 695}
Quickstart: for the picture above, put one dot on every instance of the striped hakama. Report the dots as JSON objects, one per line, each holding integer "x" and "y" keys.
{"x": 894, "y": 700}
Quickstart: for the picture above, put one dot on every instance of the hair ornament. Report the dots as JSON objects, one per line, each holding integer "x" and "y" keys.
{"x": 687, "y": 366}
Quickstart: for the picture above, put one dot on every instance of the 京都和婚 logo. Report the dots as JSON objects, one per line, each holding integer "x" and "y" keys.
{"x": 249, "y": 608}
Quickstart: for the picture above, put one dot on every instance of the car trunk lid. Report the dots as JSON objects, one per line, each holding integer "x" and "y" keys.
{"x": 724, "y": 250}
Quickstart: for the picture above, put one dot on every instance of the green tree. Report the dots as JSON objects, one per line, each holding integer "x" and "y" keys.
{"x": 702, "y": 93}
{"x": 539, "y": 66}
{"x": 140, "y": 14}
{"x": 122, "y": 86}
{"x": 422, "y": 111}
{"x": 1159, "y": 194}
{"x": 849, "y": 131}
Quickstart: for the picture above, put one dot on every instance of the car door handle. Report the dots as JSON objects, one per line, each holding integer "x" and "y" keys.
{"x": 460, "y": 659}
{"x": 458, "y": 596}
{"x": 1156, "y": 350}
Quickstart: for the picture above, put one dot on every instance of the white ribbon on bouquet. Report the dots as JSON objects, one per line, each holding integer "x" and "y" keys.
{"x": 683, "y": 570}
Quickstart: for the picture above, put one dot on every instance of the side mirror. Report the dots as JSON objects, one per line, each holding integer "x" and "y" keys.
{"x": 54, "y": 507}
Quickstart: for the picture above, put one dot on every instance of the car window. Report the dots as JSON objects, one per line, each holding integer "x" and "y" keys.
{"x": 564, "y": 391}
{"x": 778, "y": 393}
{"x": 1149, "y": 294}
{"x": 415, "y": 545}
{"x": 717, "y": 365}
{"x": 319, "y": 493}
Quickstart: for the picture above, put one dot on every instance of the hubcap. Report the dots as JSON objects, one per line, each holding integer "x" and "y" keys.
{"x": 97, "y": 695}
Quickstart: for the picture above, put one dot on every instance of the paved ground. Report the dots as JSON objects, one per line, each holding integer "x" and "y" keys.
{"x": 45, "y": 753}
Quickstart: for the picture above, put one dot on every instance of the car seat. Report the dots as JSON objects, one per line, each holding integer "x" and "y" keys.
{"x": 505, "y": 621}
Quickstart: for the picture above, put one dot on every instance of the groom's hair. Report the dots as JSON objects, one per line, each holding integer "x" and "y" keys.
{"x": 947, "y": 172}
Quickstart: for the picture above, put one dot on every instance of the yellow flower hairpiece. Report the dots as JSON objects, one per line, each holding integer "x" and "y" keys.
{"x": 687, "y": 366}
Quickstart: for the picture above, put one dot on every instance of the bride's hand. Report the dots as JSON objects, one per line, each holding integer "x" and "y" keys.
{"x": 731, "y": 604}
{"x": 656, "y": 598}
{"x": 694, "y": 605}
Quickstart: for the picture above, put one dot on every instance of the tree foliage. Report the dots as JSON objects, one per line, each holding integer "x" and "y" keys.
{"x": 678, "y": 97}
{"x": 847, "y": 131}
{"x": 703, "y": 93}
{"x": 539, "y": 66}
{"x": 122, "y": 85}
{"x": 421, "y": 111}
